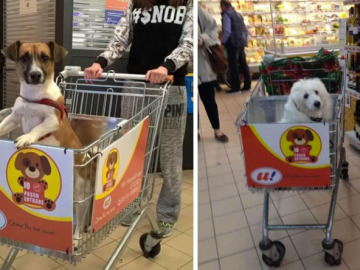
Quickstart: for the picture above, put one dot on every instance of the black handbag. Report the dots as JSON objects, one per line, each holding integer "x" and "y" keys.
{"x": 217, "y": 58}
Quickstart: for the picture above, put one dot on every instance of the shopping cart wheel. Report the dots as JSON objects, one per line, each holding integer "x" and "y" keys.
{"x": 344, "y": 175}
{"x": 333, "y": 252}
{"x": 150, "y": 245}
{"x": 273, "y": 253}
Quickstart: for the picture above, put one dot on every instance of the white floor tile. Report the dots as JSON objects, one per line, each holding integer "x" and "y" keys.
{"x": 207, "y": 250}
{"x": 289, "y": 205}
{"x": 351, "y": 254}
{"x": 308, "y": 243}
{"x": 230, "y": 222}
{"x": 245, "y": 260}
{"x": 234, "y": 242}
{"x": 226, "y": 206}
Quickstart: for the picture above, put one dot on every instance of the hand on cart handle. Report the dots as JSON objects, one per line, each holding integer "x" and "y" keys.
{"x": 93, "y": 72}
{"x": 159, "y": 75}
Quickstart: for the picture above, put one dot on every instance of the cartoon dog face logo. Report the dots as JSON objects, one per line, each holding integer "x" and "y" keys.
{"x": 110, "y": 176}
{"x": 33, "y": 168}
{"x": 300, "y": 146}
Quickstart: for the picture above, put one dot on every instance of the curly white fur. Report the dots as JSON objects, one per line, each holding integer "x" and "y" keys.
{"x": 308, "y": 100}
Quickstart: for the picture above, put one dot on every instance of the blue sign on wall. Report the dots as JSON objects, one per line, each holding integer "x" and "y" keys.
{"x": 113, "y": 16}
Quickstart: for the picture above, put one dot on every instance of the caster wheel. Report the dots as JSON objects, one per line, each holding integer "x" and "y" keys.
{"x": 155, "y": 250}
{"x": 344, "y": 171}
{"x": 331, "y": 260}
{"x": 275, "y": 262}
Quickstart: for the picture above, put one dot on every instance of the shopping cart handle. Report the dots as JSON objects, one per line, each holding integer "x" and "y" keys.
{"x": 170, "y": 79}
{"x": 75, "y": 71}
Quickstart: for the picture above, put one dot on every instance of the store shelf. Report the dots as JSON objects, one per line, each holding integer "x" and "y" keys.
{"x": 352, "y": 139}
{"x": 264, "y": 18}
{"x": 351, "y": 2}
{"x": 352, "y": 48}
{"x": 353, "y": 93}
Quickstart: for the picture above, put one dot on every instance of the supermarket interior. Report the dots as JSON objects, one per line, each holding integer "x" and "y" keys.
{"x": 84, "y": 194}
{"x": 253, "y": 212}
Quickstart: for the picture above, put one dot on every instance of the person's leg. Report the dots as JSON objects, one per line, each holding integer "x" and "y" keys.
{"x": 244, "y": 69}
{"x": 232, "y": 56}
{"x": 207, "y": 96}
{"x": 171, "y": 155}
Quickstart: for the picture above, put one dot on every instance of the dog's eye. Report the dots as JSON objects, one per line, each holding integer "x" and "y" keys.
{"x": 24, "y": 59}
{"x": 37, "y": 165}
{"x": 316, "y": 92}
{"x": 306, "y": 96}
{"x": 45, "y": 58}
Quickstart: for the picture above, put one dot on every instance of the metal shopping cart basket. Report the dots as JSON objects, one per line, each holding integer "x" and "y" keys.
{"x": 271, "y": 165}
{"x": 89, "y": 191}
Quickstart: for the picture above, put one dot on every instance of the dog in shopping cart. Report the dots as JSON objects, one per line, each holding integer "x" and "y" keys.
{"x": 40, "y": 111}
{"x": 308, "y": 101}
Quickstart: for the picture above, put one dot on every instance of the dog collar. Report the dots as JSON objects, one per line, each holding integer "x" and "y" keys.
{"x": 51, "y": 103}
{"x": 316, "y": 119}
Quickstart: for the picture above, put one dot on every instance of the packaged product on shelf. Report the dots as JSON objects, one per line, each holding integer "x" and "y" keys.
{"x": 323, "y": 65}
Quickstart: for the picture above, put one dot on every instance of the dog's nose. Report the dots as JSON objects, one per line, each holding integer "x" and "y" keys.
{"x": 317, "y": 104}
{"x": 35, "y": 76}
{"x": 32, "y": 169}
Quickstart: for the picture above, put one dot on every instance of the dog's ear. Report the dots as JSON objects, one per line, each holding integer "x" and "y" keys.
{"x": 12, "y": 52}
{"x": 115, "y": 157}
{"x": 58, "y": 52}
{"x": 45, "y": 165}
{"x": 19, "y": 161}
{"x": 309, "y": 135}
{"x": 289, "y": 135}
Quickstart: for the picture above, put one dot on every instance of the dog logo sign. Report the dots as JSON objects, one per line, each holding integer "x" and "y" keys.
{"x": 33, "y": 179}
{"x": 300, "y": 144}
{"x": 110, "y": 170}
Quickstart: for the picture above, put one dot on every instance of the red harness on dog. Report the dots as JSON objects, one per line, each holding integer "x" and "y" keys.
{"x": 51, "y": 103}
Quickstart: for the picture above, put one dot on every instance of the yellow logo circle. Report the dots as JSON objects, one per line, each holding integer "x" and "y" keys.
{"x": 110, "y": 170}
{"x": 300, "y": 144}
{"x": 34, "y": 179}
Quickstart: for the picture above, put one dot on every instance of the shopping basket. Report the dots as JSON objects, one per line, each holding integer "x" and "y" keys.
{"x": 285, "y": 166}
{"x": 118, "y": 118}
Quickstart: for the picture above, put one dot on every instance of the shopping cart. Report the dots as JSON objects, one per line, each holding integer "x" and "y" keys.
{"x": 320, "y": 168}
{"x": 118, "y": 118}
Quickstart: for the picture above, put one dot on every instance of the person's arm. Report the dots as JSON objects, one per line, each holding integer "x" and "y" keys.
{"x": 209, "y": 28}
{"x": 226, "y": 28}
{"x": 122, "y": 38}
{"x": 181, "y": 55}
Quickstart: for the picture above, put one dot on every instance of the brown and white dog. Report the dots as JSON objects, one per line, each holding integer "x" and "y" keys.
{"x": 41, "y": 124}
{"x": 40, "y": 109}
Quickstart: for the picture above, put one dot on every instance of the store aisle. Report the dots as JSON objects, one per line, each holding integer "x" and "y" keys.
{"x": 176, "y": 251}
{"x": 230, "y": 216}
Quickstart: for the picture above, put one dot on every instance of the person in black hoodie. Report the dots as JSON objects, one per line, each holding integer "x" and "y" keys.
{"x": 234, "y": 39}
{"x": 161, "y": 36}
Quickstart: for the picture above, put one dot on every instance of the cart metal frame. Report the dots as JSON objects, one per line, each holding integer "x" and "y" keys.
{"x": 101, "y": 98}
{"x": 274, "y": 251}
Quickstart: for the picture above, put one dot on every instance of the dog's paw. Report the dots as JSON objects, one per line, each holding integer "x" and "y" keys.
{"x": 21, "y": 180}
{"x": 18, "y": 198}
{"x": 44, "y": 183}
{"x": 49, "y": 204}
{"x": 24, "y": 140}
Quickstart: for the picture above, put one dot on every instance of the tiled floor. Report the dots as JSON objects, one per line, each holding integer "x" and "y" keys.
{"x": 176, "y": 251}
{"x": 230, "y": 216}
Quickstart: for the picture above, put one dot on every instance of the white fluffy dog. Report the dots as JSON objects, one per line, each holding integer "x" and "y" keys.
{"x": 308, "y": 101}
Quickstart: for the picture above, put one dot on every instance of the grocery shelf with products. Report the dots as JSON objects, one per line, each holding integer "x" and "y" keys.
{"x": 286, "y": 28}
{"x": 353, "y": 72}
